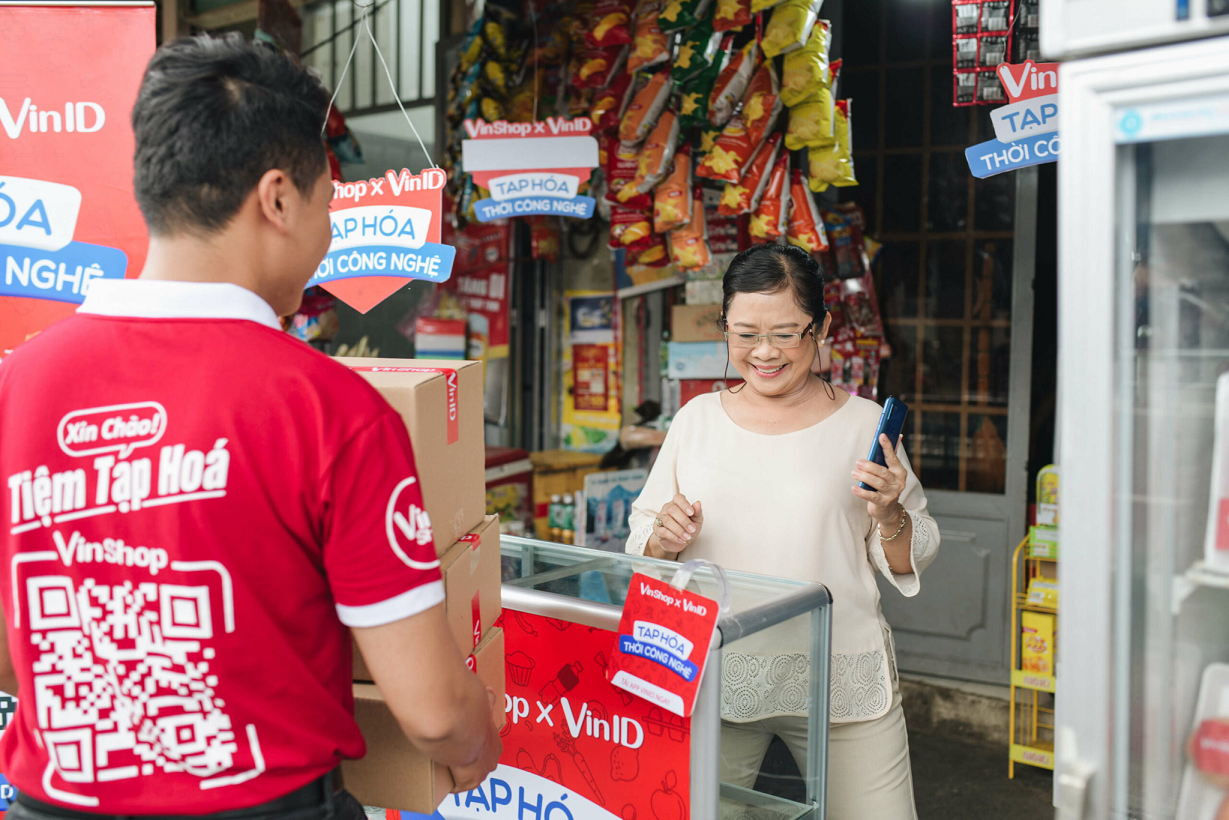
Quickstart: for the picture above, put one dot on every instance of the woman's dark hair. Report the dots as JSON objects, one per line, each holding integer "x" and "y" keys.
{"x": 772, "y": 269}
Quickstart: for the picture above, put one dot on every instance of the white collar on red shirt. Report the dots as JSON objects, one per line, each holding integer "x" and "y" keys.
{"x": 160, "y": 299}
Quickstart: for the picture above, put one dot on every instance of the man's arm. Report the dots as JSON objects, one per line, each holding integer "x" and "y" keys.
{"x": 442, "y": 707}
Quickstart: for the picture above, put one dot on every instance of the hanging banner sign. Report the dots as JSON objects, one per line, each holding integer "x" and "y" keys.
{"x": 386, "y": 233}
{"x": 531, "y": 168}
{"x": 664, "y": 637}
{"x": 67, "y": 211}
{"x": 1027, "y": 129}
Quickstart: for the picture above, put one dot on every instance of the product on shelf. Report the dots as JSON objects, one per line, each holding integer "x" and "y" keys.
{"x": 732, "y": 14}
{"x": 790, "y": 26}
{"x": 678, "y": 15}
{"x": 833, "y": 164}
{"x": 652, "y": 94}
{"x": 689, "y": 243}
{"x": 672, "y": 199}
{"x": 650, "y": 45}
{"x": 806, "y": 70}
{"x": 1204, "y": 793}
{"x": 769, "y": 221}
{"x": 1037, "y": 643}
{"x": 731, "y": 84}
{"x": 805, "y": 226}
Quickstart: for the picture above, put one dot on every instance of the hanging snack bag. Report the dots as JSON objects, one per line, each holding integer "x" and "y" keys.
{"x": 730, "y": 154}
{"x": 672, "y": 199}
{"x": 769, "y": 221}
{"x": 806, "y": 70}
{"x": 743, "y": 196}
{"x": 658, "y": 152}
{"x": 861, "y": 305}
{"x": 790, "y": 26}
{"x": 812, "y": 123}
{"x": 689, "y": 244}
{"x": 650, "y": 45}
{"x": 598, "y": 66}
{"x": 654, "y": 255}
{"x": 611, "y": 102}
{"x": 622, "y": 173}
{"x": 760, "y": 5}
{"x": 682, "y": 14}
{"x": 646, "y": 106}
{"x": 732, "y": 14}
{"x": 806, "y": 227}
{"x": 761, "y": 103}
{"x": 833, "y": 164}
{"x": 697, "y": 91}
{"x": 700, "y": 48}
{"x": 708, "y": 140}
{"x": 611, "y": 24}
{"x": 731, "y": 84}
{"x": 630, "y": 227}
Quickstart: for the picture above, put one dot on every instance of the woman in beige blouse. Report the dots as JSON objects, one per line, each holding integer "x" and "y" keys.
{"x": 763, "y": 478}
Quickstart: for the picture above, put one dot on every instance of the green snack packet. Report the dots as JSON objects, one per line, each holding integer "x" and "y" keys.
{"x": 697, "y": 91}
{"x": 681, "y": 14}
{"x": 699, "y": 50}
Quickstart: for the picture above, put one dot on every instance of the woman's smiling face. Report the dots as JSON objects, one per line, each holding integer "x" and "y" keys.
{"x": 770, "y": 370}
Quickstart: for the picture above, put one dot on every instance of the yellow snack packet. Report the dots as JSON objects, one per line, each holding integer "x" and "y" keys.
{"x": 806, "y": 70}
{"x": 790, "y": 26}
{"x": 833, "y": 164}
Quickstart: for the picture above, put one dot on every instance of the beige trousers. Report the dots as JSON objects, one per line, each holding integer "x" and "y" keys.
{"x": 868, "y": 762}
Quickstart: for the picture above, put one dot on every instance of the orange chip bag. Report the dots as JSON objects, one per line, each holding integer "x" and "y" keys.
{"x": 743, "y": 196}
{"x": 654, "y": 255}
{"x": 598, "y": 65}
{"x": 622, "y": 170}
{"x": 731, "y": 83}
{"x": 611, "y": 24}
{"x": 732, "y": 14}
{"x": 770, "y": 219}
{"x": 805, "y": 227}
{"x": 650, "y": 45}
{"x": 730, "y": 153}
{"x": 630, "y": 227}
{"x": 833, "y": 164}
{"x": 647, "y": 103}
{"x": 610, "y": 103}
{"x": 672, "y": 199}
{"x": 689, "y": 243}
{"x": 658, "y": 151}
{"x": 806, "y": 70}
{"x": 790, "y": 26}
{"x": 761, "y": 103}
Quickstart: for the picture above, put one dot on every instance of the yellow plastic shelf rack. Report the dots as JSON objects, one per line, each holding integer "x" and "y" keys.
{"x": 1032, "y": 693}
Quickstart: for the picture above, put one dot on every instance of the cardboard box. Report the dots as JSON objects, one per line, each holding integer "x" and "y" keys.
{"x": 703, "y": 292}
{"x": 698, "y": 360}
{"x": 557, "y": 472}
{"x": 696, "y": 323}
{"x": 488, "y": 663}
{"x": 471, "y": 584}
{"x": 691, "y": 388}
{"x": 394, "y": 774}
{"x": 441, "y": 402}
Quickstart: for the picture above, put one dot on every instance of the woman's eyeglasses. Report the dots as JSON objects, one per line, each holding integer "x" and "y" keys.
{"x": 783, "y": 341}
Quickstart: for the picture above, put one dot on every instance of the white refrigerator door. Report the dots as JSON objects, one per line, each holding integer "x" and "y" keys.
{"x": 1077, "y": 28}
{"x": 1143, "y": 339}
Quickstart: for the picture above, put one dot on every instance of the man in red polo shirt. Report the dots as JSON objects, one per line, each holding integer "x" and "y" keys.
{"x": 193, "y": 503}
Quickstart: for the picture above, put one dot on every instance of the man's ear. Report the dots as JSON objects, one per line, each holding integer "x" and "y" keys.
{"x": 272, "y": 194}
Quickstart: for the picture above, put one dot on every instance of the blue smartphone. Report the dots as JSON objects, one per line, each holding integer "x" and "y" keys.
{"x": 891, "y": 422}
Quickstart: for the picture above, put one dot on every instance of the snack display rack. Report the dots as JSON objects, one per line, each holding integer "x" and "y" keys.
{"x": 1031, "y": 708}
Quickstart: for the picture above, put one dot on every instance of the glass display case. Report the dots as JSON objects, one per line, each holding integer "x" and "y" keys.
{"x": 572, "y": 585}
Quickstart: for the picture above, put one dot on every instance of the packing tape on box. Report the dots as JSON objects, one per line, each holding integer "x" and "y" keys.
{"x": 450, "y": 377}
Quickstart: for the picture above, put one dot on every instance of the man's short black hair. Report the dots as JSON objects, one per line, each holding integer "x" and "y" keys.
{"x": 213, "y": 115}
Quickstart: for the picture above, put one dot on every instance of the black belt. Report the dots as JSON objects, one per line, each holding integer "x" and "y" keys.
{"x": 315, "y": 793}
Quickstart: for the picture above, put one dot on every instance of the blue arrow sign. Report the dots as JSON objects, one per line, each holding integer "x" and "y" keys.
{"x": 994, "y": 157}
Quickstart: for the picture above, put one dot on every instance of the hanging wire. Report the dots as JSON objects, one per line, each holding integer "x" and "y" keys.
{"x": 533, "y": 15}
{"x": 366, "y": 21}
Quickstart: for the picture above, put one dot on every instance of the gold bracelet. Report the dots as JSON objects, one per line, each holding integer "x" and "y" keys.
{"x": 904, "y": 516}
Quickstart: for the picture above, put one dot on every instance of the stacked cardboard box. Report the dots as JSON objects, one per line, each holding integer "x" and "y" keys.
{"x": 441, "y": 403}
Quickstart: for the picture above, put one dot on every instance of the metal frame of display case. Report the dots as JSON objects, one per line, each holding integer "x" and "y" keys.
{"x": 706, "y": 789}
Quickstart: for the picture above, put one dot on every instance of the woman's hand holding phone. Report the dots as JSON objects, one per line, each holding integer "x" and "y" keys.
{"x": 887, "y": 483}
{"x": 676, "y": 526}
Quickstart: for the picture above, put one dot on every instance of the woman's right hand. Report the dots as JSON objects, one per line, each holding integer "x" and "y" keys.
{"x": 676, "y": 527}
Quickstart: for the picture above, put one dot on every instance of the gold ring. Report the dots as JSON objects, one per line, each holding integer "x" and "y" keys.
{"x": 657, "y": 522}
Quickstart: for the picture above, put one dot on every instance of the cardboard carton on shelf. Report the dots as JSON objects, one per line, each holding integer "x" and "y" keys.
{"x": 698, "y": 360}
{"x": 696, "y": 323}
{"x": 441, "y": 403}
{"x": 557, "y": 472}
{"x": 396, "y": 775}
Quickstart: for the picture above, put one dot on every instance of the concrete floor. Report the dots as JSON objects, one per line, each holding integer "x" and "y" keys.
{"x": 952, "y": 780}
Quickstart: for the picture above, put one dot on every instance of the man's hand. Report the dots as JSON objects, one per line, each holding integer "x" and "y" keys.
{"x": 472, "y": 776}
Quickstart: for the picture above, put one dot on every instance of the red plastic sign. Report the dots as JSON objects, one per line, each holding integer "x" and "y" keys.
{"x": 1028, "y": 80}
{"x": 664, "y": 637}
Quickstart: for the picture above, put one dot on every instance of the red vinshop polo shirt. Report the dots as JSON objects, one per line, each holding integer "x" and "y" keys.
{"x": 193, "y": 505}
